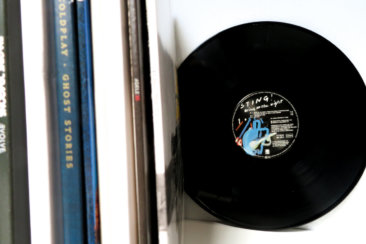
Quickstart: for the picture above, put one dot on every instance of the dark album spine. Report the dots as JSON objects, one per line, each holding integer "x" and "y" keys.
{"x": 88, "y": 121}
{"x": 14, "y": 199}
{"x": 6, "y": 231}
{"x": 68, "y": 122}
{"x": 142, "y": 123}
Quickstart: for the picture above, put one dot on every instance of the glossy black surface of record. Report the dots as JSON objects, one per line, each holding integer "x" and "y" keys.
{"x": 325, "y": 160}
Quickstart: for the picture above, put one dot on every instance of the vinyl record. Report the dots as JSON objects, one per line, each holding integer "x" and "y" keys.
{"x": 272, "y": 125}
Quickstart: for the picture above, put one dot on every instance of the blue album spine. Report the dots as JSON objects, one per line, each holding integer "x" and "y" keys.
{"x": 88, "y": 120}
{"x": 68, "y": 118}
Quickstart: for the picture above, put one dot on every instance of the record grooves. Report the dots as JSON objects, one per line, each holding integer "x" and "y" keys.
{"x": 272, "y": 125}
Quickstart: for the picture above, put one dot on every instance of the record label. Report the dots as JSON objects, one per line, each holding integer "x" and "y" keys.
{"x": 265, "y": 124}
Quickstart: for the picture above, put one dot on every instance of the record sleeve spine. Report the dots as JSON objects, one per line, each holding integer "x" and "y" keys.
{"x": 88, "y": 120}
{"x": 6, "y": 230}
{"x": 16, "y": 113}
{"x": 68, "y": 120}
{"x": 138, "y": 120}
{"x": 142, "y": 123}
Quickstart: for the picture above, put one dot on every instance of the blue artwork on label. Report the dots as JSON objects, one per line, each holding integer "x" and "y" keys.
{"x": 254, "y": 137}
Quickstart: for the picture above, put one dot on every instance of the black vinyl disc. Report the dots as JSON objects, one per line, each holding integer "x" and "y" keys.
{"x": 272, "y": 125}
